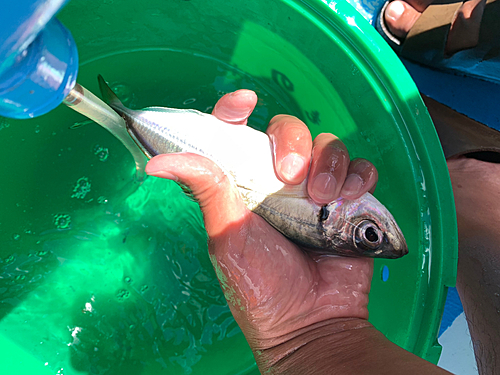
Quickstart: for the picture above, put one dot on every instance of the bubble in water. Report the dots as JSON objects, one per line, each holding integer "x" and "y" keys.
{"x": 62, "y": 221}
{"x": 102, "y": 153}
{"x": 144, "y": 288}
{"x": 81, "y": 188}
{"x": 4, "y": 124}
{"x": 16, "y": 236}
{"x": 124, "y": 92}
{"x": 128, "y": 280}
{"x": 122, "y": 294}
{"x": 189, "y": 101}
{"x": 102, "y": 200}
{"x": 37, "y": 129}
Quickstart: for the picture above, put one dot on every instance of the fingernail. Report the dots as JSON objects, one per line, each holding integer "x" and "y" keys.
{"x": 324, "y": 186}
{"x": 242, "y": 93}
{"x": 291, "y": 166}
{"x": 394, "y": 10}
{"x": 352, "y": 185}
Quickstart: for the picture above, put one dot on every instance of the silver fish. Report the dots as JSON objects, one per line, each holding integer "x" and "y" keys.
{"x": 360, "y": 228}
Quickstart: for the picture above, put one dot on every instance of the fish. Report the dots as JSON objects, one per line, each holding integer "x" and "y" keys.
{"x": 353, "y": 228}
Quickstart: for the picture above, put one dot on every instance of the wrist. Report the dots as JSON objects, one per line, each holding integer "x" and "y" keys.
{"x": 311, "y": 346}
{"x": 341, "y": 347}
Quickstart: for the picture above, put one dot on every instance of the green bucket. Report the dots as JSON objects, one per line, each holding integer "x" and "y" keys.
{"x": 101, "y": 276}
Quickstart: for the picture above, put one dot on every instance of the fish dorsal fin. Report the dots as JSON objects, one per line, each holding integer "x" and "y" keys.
{"x": 107, "y": 94}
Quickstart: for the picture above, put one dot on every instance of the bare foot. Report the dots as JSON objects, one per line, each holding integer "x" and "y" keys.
{"x": 400, "y": 16}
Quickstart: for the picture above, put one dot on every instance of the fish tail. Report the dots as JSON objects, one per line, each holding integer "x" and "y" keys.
{"x": 107, "y": 94}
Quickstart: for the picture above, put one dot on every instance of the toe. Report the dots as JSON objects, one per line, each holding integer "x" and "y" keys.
{"x": 400, "y": 18}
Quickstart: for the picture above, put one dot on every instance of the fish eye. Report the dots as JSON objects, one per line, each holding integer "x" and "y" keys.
{"x": 371, "y": 235}
{"x": 368, "y": 235}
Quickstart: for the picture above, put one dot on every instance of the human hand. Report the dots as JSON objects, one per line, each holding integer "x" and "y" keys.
{"x": 276, "y": 291}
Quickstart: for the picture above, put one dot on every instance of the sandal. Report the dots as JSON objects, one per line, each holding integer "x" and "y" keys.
{"x": 460, "y": 135}
{"x": 426, "y": 41}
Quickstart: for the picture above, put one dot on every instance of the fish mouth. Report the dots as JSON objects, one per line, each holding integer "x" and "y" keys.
{"x": 396, "y": 254}
{"x": 393, "y": 247}
{"x": 395, "y": 242}
{"x": 398, "y": 247}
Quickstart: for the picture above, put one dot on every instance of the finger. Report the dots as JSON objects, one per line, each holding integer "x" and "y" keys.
{"x": 330, "y": 162}
{"x": 219, "y": 202}
{"x": 292, "y": 144}
{"x": 235, "y": 107}
{"x": 361, "y": 178}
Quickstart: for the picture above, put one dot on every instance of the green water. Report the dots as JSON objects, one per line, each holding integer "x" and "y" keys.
{"x": 123, "y": 287}
{"x": 99, "y": 275}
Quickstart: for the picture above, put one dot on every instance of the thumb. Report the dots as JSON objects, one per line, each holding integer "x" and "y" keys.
{"x": 219, "y": 200}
